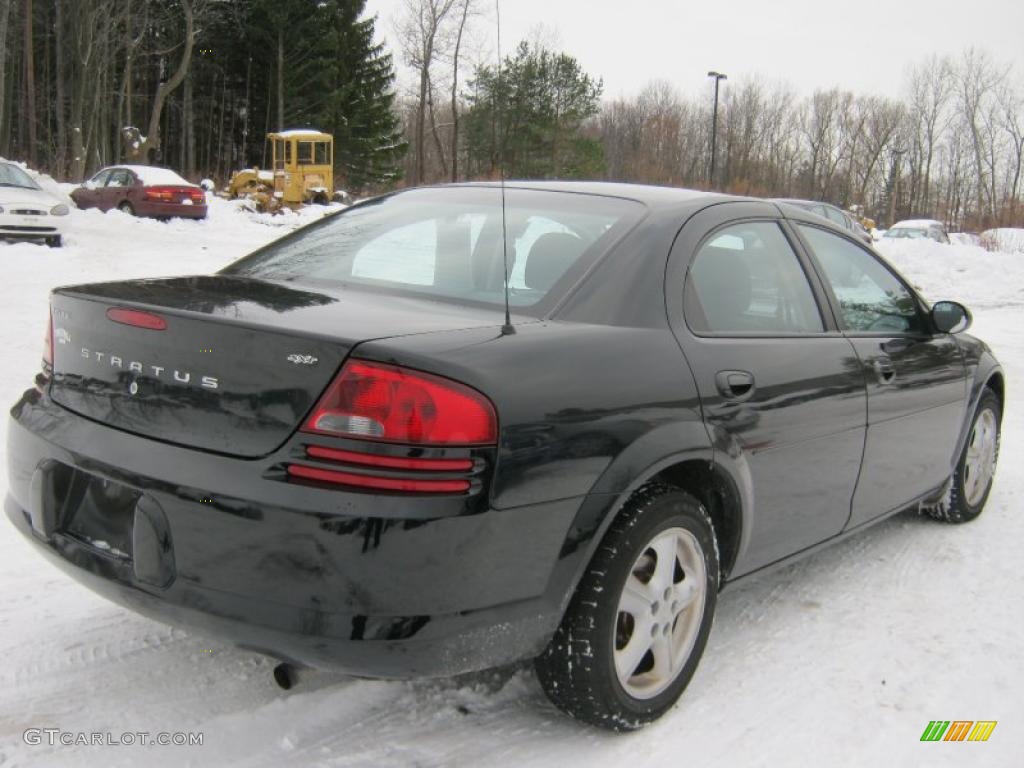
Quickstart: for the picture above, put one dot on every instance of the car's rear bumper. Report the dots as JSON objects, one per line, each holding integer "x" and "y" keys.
{"x": 340, "y": 580}
{"x": 170, "y": 210}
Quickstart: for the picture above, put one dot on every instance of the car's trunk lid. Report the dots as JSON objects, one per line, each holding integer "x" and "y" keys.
{"x": 239, "y": 363}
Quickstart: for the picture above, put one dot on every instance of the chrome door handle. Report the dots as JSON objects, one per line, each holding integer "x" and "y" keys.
{"x": 735, "y": 386}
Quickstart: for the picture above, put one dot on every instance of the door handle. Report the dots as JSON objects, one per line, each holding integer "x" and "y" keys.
{"x": 884, "y": 369}
{"x": 735, "y": 386}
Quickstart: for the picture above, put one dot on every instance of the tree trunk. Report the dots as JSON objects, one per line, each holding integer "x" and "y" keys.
{"x": 150, "y": 147}
{"x": 455, "y": 91}
{"x": 30, "y": 85}
{"x": 60, "y": 165}
{"x": 280, "y": 79}
{"x": 5, "y": 15}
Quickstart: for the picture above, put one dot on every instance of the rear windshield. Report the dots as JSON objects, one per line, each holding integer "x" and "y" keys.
{"x": 447, "y": 243}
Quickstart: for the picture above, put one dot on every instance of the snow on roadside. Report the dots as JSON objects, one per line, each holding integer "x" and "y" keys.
{"x": 966, "y": 273}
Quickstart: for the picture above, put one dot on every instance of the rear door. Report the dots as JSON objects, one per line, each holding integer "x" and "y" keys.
{"x": 781, "y": 390}
{"x": 119, "y": 184}
{"x": 916, "y": 379}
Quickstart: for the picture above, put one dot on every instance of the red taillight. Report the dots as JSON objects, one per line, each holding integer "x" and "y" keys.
{"x": 389, "y": 462}
{"x": 137, "y": 318}
{"x": 396, "y": 405}
{"x": 48, "y": 342}
{"x": 372, "y": 482}
{"x": 164, "y": 194}
{"x": 197, "y": 196}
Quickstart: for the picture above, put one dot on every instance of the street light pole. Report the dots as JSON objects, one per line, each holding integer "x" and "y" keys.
{"x": 714, "y": 126}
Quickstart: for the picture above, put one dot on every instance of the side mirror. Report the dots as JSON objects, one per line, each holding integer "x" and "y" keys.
{"x": 950, "y": 317}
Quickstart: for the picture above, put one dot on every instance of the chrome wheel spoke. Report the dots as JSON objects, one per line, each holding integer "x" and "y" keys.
{"x": 627, "y": 659}
{"x": 664, "y": 665}
{"x": 637, "y": 597}
{"x": 666, "y": 549}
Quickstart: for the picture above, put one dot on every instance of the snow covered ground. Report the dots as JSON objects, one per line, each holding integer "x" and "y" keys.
{"x": 839, "y": 660}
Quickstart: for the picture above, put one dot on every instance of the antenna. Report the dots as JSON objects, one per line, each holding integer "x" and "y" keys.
{"x": 507, "y": 329}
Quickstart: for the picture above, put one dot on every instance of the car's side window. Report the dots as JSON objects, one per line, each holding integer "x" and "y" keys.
{"x": 835, "y": 216}
{"x": 871, "y": 298}
{"x": 746, "y": 278}
{"x": 119, "y": 178}
{"x": 100, "y": 178}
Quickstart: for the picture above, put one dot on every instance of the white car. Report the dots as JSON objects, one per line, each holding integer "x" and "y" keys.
{"x": 917, "y": 229}
{"x": 26, "y": 211}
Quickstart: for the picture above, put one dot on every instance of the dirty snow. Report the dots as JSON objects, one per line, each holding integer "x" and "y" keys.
{"x": 838, "y": 660}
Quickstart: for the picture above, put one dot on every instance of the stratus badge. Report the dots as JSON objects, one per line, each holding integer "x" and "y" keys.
{"x": 303, "y": 359}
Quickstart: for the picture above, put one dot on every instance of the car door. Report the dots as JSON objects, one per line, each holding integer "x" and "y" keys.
{"x": 118, "y": 185}
{"x": 88, "y": 194}
{"x": 781, "y": 389}
{"x": 916, "y": 379}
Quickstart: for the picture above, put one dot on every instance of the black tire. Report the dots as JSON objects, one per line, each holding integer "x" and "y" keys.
{"x": 959, "y": 507}
{"x": 55, "y": 242}
{"x": 577, "y": 670}
{"x": 126, "y": 207}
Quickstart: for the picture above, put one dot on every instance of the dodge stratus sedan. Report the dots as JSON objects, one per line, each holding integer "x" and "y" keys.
{"x": 337, "y": 452}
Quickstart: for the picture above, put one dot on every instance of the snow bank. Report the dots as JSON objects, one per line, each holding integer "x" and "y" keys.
{"x": 1004, "y": 239}
{"x": 966, "y": 273}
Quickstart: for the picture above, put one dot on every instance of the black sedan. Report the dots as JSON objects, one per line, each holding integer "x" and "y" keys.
{"x": 338, "y": 452}
{"x": 837, "y": 216}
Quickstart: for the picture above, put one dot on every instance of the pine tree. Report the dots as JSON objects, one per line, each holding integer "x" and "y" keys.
{"x": 357, "y": 97}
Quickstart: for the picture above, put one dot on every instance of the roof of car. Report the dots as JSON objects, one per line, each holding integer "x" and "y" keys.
{"x": 916, "y": 224}
{"x": 798, "y": 201}
{"x": 644, "y": 193}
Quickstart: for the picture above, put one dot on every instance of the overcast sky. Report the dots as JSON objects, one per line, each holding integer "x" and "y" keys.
{"x": 861, "y": 45}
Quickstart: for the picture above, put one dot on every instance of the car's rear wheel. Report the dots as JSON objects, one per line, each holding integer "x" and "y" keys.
{"x": 972, "y": 480}
{"x": 636, "y": 627}
{"x": 126, "y": 207}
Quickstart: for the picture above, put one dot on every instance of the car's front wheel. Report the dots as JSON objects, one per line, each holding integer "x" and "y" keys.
{"x": 972, "y": 479}
{"x": 126, "y": 207}
{"x": 637, "y": 625}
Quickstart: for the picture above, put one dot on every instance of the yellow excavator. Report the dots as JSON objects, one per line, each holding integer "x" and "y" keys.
{"x": 301, "y": 172}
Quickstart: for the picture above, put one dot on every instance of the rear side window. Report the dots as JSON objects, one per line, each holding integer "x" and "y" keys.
{"x": 747, "y": 279}
{"x": 871, "y": 298}
{"x": 120, "y": 178}
{"x": 447, "y": 243}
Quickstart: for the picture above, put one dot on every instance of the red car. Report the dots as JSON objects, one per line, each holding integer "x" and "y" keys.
{"x": 142, "y": 190}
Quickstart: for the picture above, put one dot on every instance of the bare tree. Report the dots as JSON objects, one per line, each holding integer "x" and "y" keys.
{"x": 420, "y": 31}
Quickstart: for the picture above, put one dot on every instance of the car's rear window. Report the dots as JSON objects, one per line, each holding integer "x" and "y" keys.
{"x": 447, "y": 243}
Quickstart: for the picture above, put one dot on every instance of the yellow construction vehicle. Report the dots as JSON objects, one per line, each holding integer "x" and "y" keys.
{"x": 303, "y": 166}
{"x": 301, "y": 171}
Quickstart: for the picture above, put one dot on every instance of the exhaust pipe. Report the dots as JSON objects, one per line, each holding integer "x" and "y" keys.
{"x": 286, "y": 676}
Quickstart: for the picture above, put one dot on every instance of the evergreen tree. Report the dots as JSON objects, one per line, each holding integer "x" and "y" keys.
{"x": 529, "y": 117}
{"x": 358, "y": 78}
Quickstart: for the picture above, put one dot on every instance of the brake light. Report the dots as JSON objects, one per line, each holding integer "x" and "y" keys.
{"x": 397, "y": 405}
{"x": 197, "y": 196}
{"x": 165, "y": 194}
{"x": 371, "y": 482}
{"x": 137, "y": 318}
{"x": 388, "y": 462}
{"x": 48, "y": 342}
